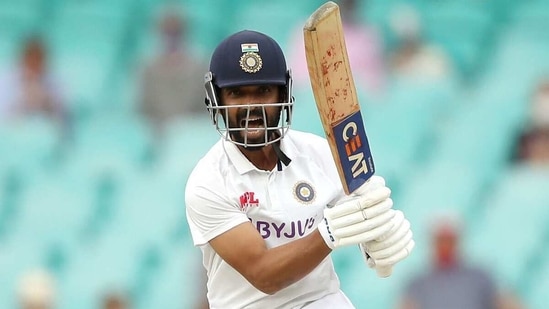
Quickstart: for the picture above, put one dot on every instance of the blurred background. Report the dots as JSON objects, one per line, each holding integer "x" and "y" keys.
{"x": 102, "y": 119}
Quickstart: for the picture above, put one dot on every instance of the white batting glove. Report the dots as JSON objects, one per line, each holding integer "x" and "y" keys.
{"x": 392, "y": 247}
{"x": 357, "y": 219}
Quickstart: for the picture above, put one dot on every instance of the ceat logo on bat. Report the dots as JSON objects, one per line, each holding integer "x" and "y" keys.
{"x": 248, "y": 200}
{"x": 354, "y": 151}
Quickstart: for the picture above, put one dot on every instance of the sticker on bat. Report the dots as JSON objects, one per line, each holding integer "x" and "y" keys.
{"x": 354, "y": 151}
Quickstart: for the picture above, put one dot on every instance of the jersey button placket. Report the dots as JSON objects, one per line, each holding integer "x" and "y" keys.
{"x": 271, "y": 194}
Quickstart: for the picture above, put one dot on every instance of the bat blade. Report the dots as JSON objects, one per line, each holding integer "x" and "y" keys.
{"x": 336, "y": 97}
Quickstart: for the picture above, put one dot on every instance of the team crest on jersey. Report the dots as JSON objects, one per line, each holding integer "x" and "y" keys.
{"x": 304, "y": 192}
{"x": 247, "y": 200}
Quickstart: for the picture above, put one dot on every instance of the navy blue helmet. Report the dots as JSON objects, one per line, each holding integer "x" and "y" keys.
{"x": 242, "y": 59}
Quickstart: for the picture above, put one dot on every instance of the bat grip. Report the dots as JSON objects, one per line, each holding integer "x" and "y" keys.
{"x": 384, "y": 271}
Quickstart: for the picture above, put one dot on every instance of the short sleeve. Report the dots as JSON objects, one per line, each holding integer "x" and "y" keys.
{"x": 209, "y": 213}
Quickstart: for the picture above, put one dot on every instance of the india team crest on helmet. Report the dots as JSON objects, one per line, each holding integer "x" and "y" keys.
{"x": 304, "y": 192}
{"x": 250, "y": 61}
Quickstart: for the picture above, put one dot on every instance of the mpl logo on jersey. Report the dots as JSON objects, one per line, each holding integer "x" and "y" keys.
{"x": 354, "y": 151}
{"x": 248, "y": 200}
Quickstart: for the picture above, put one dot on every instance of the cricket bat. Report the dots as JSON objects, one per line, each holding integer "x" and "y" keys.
{"x": 336, "y": 99}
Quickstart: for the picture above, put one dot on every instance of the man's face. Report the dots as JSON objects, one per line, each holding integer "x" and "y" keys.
{"x": 34, "y": 58}
{"x": 256, "y": 116}
{"x": 445, "y": 247}
{"x": 536, "y": 147}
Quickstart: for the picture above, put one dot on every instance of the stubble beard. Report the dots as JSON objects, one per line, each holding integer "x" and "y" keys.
{"x": 239, "y": 122}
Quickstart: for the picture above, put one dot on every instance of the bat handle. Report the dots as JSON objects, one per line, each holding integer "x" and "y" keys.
{"x": 384, "y": 272}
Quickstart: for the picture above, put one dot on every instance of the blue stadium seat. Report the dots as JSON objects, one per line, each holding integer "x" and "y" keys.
{"x": 185, "y": 141}
{"x": 147, "y": 35}
{"x": 534, "y": 14}
{"x": 12, "y": 185}
{"x": 400, "y": 126}
{"x": 476, "y": 137}
{"x": 51, "y": 210}
{"x": 379, "y": 13}
{"x": 86, "y": 38}
{"x": 510, "y": 223}
{"x": 112, "y": 134}
{"x": 29, "y": 146}
{"x": 18, "y": 19}
{"x": 372, "y": 290}
{"x": 305, "y": 114}
{"x": 84, "y": 75}
{"x": 95, "y": 269}
{"x": 205, "y": 27}
{"x": 178, "y": 283}
{"x": 272, "y": 18}
{"x": 463, "y": 28}
{"x": 113, "y": 14}
{"x": 154, "y": 205}
{"x": 366, "y": 290}
{"x": 16, "y": 259}
{"x": 436, "y": 190}
{"x": 537, "y": 296}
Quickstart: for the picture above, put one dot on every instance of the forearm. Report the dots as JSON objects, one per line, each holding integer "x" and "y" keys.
{"x": 269, "y": 269}
{"x": 281, "y": 266}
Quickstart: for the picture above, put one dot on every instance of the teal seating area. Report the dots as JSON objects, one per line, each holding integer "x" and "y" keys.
{"x": 103, "y": 207}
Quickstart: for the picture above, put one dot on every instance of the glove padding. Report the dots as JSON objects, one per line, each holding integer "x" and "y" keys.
{"x": 392, "y": 247}
{"x": 360, "y": 218}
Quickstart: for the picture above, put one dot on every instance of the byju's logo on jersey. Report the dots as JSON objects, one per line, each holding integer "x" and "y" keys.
{"x": 304, "y": 192}
{"x": 248, "y": 200}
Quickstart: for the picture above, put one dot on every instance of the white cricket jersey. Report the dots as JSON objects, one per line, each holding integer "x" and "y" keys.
{"x": 225, "y": 190}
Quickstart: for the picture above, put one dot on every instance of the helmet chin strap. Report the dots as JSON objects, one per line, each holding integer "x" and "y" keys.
{"x": 282, "y": 157}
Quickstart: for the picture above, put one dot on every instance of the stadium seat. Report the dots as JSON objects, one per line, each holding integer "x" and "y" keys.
{"x": 478, "y": 138}
{"x": 184, "y": 143}
{"x": 86, "y": 38}
{"x": 113, "y": 134}
{"x": 16, "y": 259}
{"x": 20, "y": 17}
{"x": 379, "y": 13}
{"x": 107, "y": 265}
{"x": 512, "y": 217}
{"x": 400, "y": 127}
{"x": 18, "y": 20}
{"x": 29, "y": 146}
{"x": 439, "y": 188}
{"x": 534, "y": 13}
{"x": 178, "y": 283}
{"x": 521, "y": 54}
{"x": 111, "y": 13}
{"x": 462, "y": 28}
{"x": 155, "y": 206}
{"x": 272, "y": 18}
{"x": 305, "y": 114}
{"x": 207, "y": 26}
{"x": 372, "y": 291}
{"x": 11, "y": 186}
{"x": 436, "y": 190}
{"x": 537, "y": 296}
{"x": 51, "y": 210}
